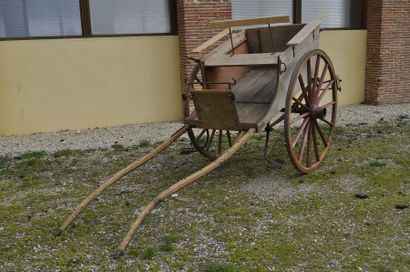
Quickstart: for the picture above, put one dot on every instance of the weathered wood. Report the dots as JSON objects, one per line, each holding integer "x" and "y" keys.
{"x": 258, "y": 87}
{"x": 84, "y": 204}
{"x": 226, "y": 47}
{"x": 216, "y": 108}
{"x": 225, "y": 74}
{"x": 259, "y": 39}
{"x": 252, "y": 21}
{"x": 307, "y": 29}
{"x": 251, "y": 113}
{"x": 211, "y": 41}
{"x": 264, "y": 59}
{"x": 242, "y": 139}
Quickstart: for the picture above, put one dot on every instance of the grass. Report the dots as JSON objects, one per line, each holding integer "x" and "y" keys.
{"x": 144, "y": 143}
{"x": 168, "y": 242}
{"x": 218, "y": 268}
{"x": 118, "y": 147}
{"x": 33, "y": 155}
{"x": 149, "y": 253}
{"x": 242, "y": 217}
{"x": 63, "y": 153}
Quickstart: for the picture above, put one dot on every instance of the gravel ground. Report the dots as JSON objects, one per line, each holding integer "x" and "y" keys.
{"x": 130, "y": 135}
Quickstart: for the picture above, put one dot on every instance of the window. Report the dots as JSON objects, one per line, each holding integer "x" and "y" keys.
{"x": 130, "y": 16}
{"x": 31, "y": 18}
{"x": 342, "y": 13}
{"x": 61, "y": 18}
{"x": 248, "y": 9}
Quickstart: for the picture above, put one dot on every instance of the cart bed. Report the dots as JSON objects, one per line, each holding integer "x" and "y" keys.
{"x": 243, "y": 107}
{"x": 256, "y": 87}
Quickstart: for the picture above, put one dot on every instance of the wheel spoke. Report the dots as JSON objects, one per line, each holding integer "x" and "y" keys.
{"x": 220, "y": 142}
{"x": 299, "y": 117}
{"x": 322, "y": 79}
{"x": 302, "y": 147}
{"x": 309, "y": 76}
{"x": 325, "y": 91}
{"x": 304, "y": 92}
{"x": 328, "y": 104}
{"x": 299, "y": 132}
{"x": 297, "y": 101}
{"x": 228, "y": 134}
{"x": 200, "y": 135}
{"x": 309, "y": 146}
{"x": 320, "y": 133}
{"x": 326, "y": 121}
{"x": 211, "y": 140}
{"x": 316, "y": 76}
{"x": 315, "y": 145}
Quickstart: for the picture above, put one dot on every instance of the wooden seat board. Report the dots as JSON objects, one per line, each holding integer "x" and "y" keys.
{"x": 258, "y": 86}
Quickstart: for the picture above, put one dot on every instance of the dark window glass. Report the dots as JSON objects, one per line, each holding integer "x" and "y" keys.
{"x": 39, "y": 18}
{"x": 261, "y": 8}
{"x": 342, "y": 13}
{"x": 129, "y": 16}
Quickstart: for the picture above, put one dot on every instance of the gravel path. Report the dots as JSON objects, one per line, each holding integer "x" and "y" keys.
{"x": 129, "y": 135}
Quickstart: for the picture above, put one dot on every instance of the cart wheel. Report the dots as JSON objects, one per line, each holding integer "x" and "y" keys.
{"x": 209, "y": 142}
{"x": 310, "y": 111}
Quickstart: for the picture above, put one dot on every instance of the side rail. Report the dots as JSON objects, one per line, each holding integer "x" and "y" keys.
{"x": 253, "y": 21}
{"x": 307, "y": 30}
{"x": 212, "y": 41}
{"x": 231, "y": 25}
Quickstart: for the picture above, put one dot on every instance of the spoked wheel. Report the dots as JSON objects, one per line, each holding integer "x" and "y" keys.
{"x": 310, "y": 111}
{"x": 209, "y": 142}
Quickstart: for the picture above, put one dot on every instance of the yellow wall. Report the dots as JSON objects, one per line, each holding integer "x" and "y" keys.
{"x": 347, "y": 49}
{"x": 49, "y": 85}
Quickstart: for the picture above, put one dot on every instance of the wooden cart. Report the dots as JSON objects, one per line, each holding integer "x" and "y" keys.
{"x": 255, "y": 79}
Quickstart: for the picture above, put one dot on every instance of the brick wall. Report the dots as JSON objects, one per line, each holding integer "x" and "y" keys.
{"x": 194, "y": 17}
{"x": 388, "y": 52}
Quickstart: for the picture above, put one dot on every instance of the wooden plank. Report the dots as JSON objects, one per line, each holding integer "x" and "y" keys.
{"x": 259, "y": 40}
{"x": 308, "y": 29}
{"x": 251, "y": 113}
{"x": 215, "y": 108}
{"x": 251, "y": 21}
{"x": 226, "y": 47}
{"x": 264, "y": 59}
{"x": 211, "y": 41}
{"x": 258, "y": 87}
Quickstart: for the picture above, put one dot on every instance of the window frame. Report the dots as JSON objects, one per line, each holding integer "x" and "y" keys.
{"x": 297, "y": 17}
{"x": 85, "y": 16}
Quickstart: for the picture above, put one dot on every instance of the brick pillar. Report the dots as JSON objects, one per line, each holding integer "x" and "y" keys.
{"x": 194, "y": 17}
{"x": 388, "y": 52}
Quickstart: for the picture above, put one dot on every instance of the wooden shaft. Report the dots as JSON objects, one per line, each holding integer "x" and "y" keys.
{"x": 242, "y": 139}
{"x": 84, "y": 204}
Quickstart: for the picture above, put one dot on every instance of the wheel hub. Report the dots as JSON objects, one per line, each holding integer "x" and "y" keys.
{"x": 317, "y": 112}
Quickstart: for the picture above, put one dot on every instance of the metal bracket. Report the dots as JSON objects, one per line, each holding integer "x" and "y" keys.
{"x": 338, "y": 85}
{"x": 281, "y": 64}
